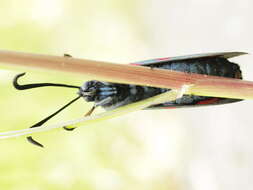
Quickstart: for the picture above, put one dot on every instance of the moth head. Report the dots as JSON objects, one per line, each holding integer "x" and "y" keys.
{"x": 90, "y": 89}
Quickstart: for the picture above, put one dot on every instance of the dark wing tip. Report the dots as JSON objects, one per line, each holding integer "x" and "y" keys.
{"x": 228, "y": 55}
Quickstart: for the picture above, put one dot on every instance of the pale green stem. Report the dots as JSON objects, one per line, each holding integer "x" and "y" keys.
{"x": 165, "y": 97}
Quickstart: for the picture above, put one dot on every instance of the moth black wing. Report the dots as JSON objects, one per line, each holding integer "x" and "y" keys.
{"x": 215, "y": 64}
{"x": 160, "y": 61}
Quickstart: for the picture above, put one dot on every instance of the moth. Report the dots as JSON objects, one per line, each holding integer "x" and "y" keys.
{"x": 113, "y": 95}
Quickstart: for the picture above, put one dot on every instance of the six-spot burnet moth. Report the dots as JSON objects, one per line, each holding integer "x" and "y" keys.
{"x": 113, "y": 95}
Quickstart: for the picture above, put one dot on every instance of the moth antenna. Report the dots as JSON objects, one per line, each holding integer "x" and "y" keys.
{"x": 30, "y": 139}
{"x": 29, "y": 86}
{"x": 34, "y": 142}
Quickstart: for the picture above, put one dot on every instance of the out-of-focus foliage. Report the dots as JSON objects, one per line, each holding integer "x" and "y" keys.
{"x": 162, "y": 149}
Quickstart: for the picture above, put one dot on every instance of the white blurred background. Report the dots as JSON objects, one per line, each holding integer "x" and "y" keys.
{"x": 193, "y": 149}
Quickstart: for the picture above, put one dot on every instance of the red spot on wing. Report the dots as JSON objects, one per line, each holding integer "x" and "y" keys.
{"x": 209, "y": 101}
{"x": 162, "y": 59}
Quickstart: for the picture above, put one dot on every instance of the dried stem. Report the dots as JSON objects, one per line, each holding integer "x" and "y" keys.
{"x": 200, "y": 84}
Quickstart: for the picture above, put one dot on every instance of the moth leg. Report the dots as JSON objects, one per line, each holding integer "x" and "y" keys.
{"x": 69, "y": 128}
{"x": 152, "y": 67}
{"x": 66, "y": 55}
{"x": 182, "y": 91}
{"x": 100, "y": 103}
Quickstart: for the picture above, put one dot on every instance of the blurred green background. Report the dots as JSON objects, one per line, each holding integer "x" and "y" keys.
{"x": 199, "y": 148}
